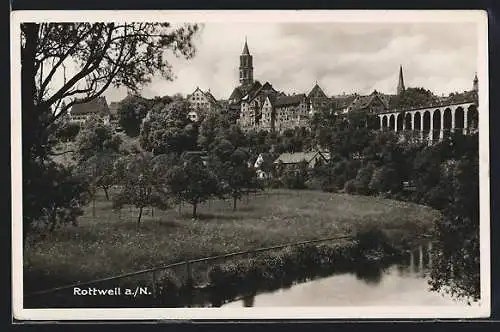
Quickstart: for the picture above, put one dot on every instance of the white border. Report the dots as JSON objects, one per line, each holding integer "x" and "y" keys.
{"x": 380, "y": 16}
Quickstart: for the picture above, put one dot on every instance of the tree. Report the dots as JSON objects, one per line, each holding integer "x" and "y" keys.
{"x": 413, "y": 98}
{"x": 169, "y": 130}
{"x": 236, "y": 136}
{"x": 231, "y": 167}
{"x": 347, "y": 136}
{"x": 143, "y": 183}
{"x": 192, "y": 182}
{"x": 208, "y": 132}
{"x": 131, "y": 111}
{"x": 321, "y": 125}
{"x": 456, "y": 267}
{"x": 426, "y": 175}
{"x": 95, "y": 137}
{"x": 100, "y": 170}
{"x": 384, "y": 179}
{"x": 63, "y": 197}
{"x": 67, "y": 131}
{"x": 63, "y": 64}
{"x": 363, "y": 178}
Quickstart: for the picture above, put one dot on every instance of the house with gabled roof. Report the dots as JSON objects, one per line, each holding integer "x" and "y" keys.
{"x": 291, "y": 161}
{"x": 251, "y": 106}
{"x": 291, "y": 111}
{"x": 201, "y": 102}
{"x": 318, "y": 99}
{"x": 373, "y": 103}
{"x": 98, "y": 107}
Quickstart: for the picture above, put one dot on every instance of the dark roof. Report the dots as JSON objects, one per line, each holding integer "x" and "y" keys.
{"x": 245, "y": 49}
{"x": 252, "y": 88}
{"x": 272, "y": 98}
{"x": 210, "y": 97}
{"x": 240, "y": 91}
{"x": 386, "y": 99}
{"x": 363, "y": 102}
{"x": 283, "y": 101}
{"x": 95, "y": 106}
{"x": 236, "y": 94}
{"x": 344, "y": 101}
{"x": 266, "y": 88}
{"x": 317, "y": 90}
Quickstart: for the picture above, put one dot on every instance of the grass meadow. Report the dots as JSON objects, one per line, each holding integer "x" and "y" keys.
{"x": 110, "y": 243}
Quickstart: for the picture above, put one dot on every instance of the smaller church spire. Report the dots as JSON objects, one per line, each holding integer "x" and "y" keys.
{"x": 245, "y": 48}
{"x": 401, "y": 83}
{"x": 475, "y": 83}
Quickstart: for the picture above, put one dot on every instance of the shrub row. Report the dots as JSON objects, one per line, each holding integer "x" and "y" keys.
{"x": 245, "y": 276}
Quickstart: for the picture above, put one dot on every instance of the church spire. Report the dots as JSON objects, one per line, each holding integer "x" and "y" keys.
{"x": 401, "y": 83}
{"x": 246, "y": 66}
{"x": 475, "y": 83}
{"x": 245, "y": 48}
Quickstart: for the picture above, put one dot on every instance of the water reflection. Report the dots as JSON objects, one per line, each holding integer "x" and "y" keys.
{"x": 404, "y": 283}
{"x": 249, "y": 301}
{"x": 370, "y": 273}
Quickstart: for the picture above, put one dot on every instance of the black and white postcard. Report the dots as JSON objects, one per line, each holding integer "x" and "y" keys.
{"x": 250, "y": 164}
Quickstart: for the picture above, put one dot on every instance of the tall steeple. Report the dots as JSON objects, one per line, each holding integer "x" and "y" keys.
{"x": 246, "y": 66}
{"x": 245, "y": 48}
{"x": 475, "y": 84}
{"x": 401, "y": 83}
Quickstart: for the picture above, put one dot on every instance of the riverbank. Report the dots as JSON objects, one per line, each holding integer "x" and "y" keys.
{"x": 110, "y": 244}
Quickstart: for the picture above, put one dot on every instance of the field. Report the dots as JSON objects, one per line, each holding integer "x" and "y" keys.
{"x": 110, "y": 243}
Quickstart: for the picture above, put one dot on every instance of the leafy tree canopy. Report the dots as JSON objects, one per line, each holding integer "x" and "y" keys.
{"x": 169, "y": 130}
{"x": 64, "y": 64}
{"x": 95, "y": 137}
{"x": 131, "y": 111}
{"x": 413, "y": 98}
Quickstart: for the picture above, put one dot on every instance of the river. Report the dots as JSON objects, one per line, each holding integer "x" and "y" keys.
{"x": 405, "y": 283}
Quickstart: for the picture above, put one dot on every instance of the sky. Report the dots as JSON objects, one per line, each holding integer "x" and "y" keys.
{"x": 340, "y": 57}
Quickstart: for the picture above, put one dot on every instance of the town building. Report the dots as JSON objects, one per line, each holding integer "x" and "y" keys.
{"x": 98, "y": 108}
{"x": 262, "y": 107}
{"x": 201, "y": 102}
{"x": 319, "y": 100}
{"x": 372, "y": 104}
{"x": 290, "y": 162}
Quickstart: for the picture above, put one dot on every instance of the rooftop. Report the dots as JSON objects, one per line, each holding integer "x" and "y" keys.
{"x": 284, "y": 101}
{"x": 297, "y": 157}
{"x": 95, "y": 106}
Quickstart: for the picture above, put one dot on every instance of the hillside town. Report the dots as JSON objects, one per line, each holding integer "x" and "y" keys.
{"x": 238, "y": 189}
{"x": 259, "y": 106}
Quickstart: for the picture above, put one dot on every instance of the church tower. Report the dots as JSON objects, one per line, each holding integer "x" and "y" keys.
{"x": 401, "y": 83}
{"x": 246, "y": 66}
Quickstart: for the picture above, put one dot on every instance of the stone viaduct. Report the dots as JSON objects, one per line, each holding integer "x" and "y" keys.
{"x": 432, "y": 122}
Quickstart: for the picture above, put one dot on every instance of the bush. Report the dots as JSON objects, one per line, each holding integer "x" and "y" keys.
{"x": 371, "y": 238}
{"x": 384, "y": 179}
{"x": 350, "y": 187}
{"x": 363, "y": 178}
{"x": 275, "y": 183}
{"x": 168, "y": 288}
{"x": 314, "y": 184}
{"x": 294, "y": 181}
